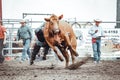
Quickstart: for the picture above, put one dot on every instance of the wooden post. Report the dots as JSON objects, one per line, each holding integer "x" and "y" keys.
{"x": 0, "y": 9}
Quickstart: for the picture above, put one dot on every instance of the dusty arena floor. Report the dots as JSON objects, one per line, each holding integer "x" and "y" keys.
{"x": 47, "y": 70}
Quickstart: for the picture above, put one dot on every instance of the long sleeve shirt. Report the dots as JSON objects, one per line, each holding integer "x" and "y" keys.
{"x": 2, "y": 32}
{"x": 98, "y": 34}
{"x": 24, "y": 32}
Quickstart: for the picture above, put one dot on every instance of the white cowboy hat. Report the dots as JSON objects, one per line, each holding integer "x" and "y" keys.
{"x": 23, "y": 21}
{"x": 97, "y": 20}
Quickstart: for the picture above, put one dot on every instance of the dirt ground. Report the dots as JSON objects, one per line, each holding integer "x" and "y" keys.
{"x": 54, "y": 70}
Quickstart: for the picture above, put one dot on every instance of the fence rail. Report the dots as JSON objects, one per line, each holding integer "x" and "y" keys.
{"x": 10, "y": 24}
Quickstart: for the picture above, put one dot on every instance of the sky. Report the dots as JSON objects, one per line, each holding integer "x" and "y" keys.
{"x": 81, "y": 10}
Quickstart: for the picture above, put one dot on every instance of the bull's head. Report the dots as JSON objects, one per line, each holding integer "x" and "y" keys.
{"x": 54, "y": 23}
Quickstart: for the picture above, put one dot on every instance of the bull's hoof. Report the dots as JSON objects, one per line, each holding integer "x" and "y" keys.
{"x": 73, "y": 51}
{"x": 76, "y": 54}
{"x": 78, "y": 64}
{"x": 61, "y": 59}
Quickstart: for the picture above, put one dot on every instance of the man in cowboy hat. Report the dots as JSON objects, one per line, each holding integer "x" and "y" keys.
{"x": 96, "y": 33}
{"x": 25, "y": 33}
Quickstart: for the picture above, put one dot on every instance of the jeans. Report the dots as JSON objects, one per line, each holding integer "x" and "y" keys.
{"x": 26, "y": 49}
{"x": 37, "y": 48}
{"x": 1, "y": 46}
{"x": 96, "y": 50}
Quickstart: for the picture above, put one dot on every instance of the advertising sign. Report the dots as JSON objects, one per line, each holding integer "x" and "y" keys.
{"x": 110, "y": 45}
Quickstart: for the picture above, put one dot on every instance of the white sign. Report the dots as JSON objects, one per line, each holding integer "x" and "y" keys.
{"x": 108, "y": 45}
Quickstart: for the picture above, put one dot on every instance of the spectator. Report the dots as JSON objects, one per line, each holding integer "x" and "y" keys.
{"x": 25, "y": 33}
{"x": 2, "y": 40}
{"x": 96, "y": 33}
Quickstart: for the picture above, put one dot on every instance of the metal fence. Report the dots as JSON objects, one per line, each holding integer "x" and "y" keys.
{"x": 12, "y": 26}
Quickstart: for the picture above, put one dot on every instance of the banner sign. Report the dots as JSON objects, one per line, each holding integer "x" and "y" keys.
{"x": 110, "y": 45}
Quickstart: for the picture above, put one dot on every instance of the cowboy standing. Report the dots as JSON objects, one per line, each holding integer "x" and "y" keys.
{"x": 2, "y": 40}
{"x": 96, "y": 33}
{"x": 25, "y": 33}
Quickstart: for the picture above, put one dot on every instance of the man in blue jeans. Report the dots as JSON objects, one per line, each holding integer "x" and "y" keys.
{"x": 96, "y": 33}
{"x": 25, "y": 33}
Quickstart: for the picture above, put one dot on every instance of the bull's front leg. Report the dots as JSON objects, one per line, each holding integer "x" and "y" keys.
{"x": 59, "y": 56}
{"x": 72, "y": 50}
{"x": 64, "y": 53}
{"x": 51, "y": 43}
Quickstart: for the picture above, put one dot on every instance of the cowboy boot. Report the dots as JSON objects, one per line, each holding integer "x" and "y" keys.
{"x": 32, "y": 59}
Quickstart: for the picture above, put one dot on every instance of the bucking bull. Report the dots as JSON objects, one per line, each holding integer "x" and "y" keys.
{"x": 60, "y": 33}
